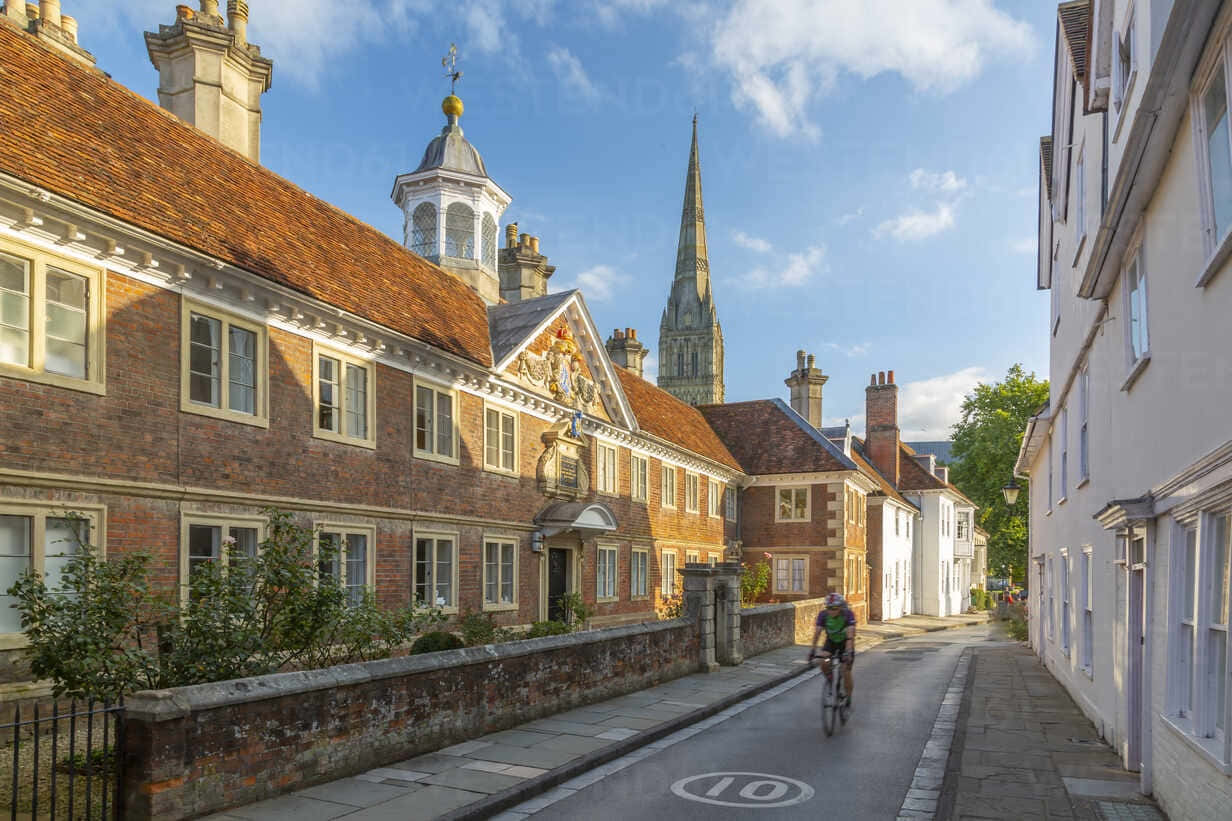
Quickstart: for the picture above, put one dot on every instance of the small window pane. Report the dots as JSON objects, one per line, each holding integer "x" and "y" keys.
{"x": 444, "y": 573}
{"x": 491, "y": 455}
{"x": 204, "y": 356}
{"x": 357, "y": 401}
{"x": 62, "y": 539}
{"x": 444, "y": 424}
{"x": 327, "y": 388}
{"x": 16, "y": 533}
{"x": 67, "y": 323}
{"x": 329, "y": 545}
{"x": 423, "y": 570}
{"x": 243, "y": 370}
{"x": 459, "y": 231}
{"x": 1191, "y": 571}
{"x": 423, "y": 232}
{"x": 506, "y": 575}
{"x": 356, "y": 566}
{"x": 14, "y": 311}
{"x": 1215, "y": 108}
{"x": 424, "y": 438}
{"x": 507, "y": 442}
{"x": 1217, "y": 674}
{"x": 1219, "y": 571}
{"x": 204, "y": 545}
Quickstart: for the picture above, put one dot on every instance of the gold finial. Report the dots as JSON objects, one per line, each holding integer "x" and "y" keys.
{"x": 452, "y": 106}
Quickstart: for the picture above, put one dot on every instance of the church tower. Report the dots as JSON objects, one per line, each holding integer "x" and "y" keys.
{"x": 690, "y": 338}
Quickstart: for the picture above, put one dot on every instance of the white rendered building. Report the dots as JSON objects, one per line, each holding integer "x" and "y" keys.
{"x": 1131, "y": 461}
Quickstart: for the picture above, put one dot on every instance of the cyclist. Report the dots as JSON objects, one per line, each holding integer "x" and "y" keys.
{"x": 839, "y": 625}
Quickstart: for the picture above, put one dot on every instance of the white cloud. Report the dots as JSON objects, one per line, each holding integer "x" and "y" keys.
{"x": 800, "y": 268}
{"x": 610, "y": 12}
{"x": 1026, "y": 245}
{"x": 917, "y": 225}
{"x": 929, "y": 408}
{"x": 598, "y": 284}
{"x": 752, "y": 243}
{"x": 945, "y": 181}
{"x": 849, "y": 351}
{"x": 650, "y": 367}
{"x": 781, "y": 54}
{"x": 571, "y": 73}
{"x": 851, "y": 217}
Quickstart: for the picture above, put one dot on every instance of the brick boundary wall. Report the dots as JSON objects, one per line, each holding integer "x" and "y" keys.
{"x": 770, "y": 626}
{"x": 191, "y": 751}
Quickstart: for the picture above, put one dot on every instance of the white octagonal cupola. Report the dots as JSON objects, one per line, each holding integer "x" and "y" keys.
{"x": 451, "y": 208}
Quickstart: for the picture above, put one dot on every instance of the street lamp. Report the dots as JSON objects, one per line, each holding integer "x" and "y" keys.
{"x": 1010, "y": 492}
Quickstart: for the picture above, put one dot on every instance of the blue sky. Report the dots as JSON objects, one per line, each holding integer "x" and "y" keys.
{"x": 869, "y": 168}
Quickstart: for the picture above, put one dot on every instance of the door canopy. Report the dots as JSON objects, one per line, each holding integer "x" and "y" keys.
{"x": 587, "y": 518}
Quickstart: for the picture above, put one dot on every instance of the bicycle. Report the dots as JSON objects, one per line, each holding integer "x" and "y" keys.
{"x": 833, "y": 694}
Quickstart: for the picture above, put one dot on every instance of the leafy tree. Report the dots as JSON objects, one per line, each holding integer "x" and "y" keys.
{"x": 755, "y": 580}
{"x": 986, "y": 443}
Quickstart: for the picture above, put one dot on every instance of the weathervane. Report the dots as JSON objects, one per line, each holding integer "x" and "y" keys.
{"x": 450, "y": 62}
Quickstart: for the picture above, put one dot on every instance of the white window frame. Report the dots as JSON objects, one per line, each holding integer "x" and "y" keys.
{"x": 221, "y": 520}
{"x": 345, "y": 529}
{"x": 639, "y": 573}
{"x": 432, "y": 453}
{"x": 639, "y": 478}
{"x": 437, "y": 536}
{"x": 714, "y": 495}
{"x": 1066, "y": 611}
{"x": 1080, "y": 204}
{"x": 692, "y": 492}
{"x": 729, "y": 499}
{"x": 667, "y": 576}
{"x": 343, "y": 407}
{"x": 793, "y": 490}
{"x": 1123, "y": 78}
{"x": 1136, "y": 361}
{"x": 501, "y": 541}
{"x": 1087, "y": 581}
{"x": 503, "y": 415}
{"x": 607, "y": 573}
{"x": 1052, "y": 600}
{"x": 1216, "y": 246}
{"x": 38, "y": 261}
{"x": 692, "y": 556}
{"x": 39, "y": 512}
{"x": 793, "y": 560}
{"x": 1084, "y": 431}
{"x": 605, "y": 469}
{"x": 667, "y": 486}
{"x": 1182, "y": 663}
{"x": 260, "y": 416}
{"x": 1064, "y": 455}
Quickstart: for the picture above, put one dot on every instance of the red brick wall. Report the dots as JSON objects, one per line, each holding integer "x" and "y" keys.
{"x": 137, "y": 433}
{"x": 881, "y": 422}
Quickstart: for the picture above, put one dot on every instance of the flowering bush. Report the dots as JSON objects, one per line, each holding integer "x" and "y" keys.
{"x": 755, "y": 580}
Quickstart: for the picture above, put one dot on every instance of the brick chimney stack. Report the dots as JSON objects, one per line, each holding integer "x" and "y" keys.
{"x": 881, "y": 437}
{"x": 626, "y": 350}
{"x": 806, "y": 383}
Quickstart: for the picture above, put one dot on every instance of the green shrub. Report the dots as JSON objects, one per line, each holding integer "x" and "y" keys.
{"x": 104, "y": 632}
{"x": 576, "y": 611}
{"x": 547, "y": 628}
{"x": 1017, "y": 625}
{"x": 434, "y": 641}
{"x": 670, "y": 607}
{"x": 478, "y": 629}
{"x": 754, "y": 582}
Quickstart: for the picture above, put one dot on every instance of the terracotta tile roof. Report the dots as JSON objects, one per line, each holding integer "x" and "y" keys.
{"x": 1075, "y": 19}
{"x": 887, "y": 488}
{"x": 75, "y": 133}
{"x": 663, "y": 415}
{"x": 768, "y": 440}
{"x": 915, "y": 477}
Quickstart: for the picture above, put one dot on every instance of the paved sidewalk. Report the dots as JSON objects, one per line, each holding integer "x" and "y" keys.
{"x": 479, "y": 778}
{"x": 1024, "y": 750}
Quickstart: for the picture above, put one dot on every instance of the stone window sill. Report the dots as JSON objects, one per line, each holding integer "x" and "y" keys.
{"x": 1136, "y": 371}
{"x": 1208, "y": 748}
{"x": 1216, "y": 262}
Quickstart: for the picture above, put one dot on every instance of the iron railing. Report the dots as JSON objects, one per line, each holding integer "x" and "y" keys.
{"x": 65, "y": 763}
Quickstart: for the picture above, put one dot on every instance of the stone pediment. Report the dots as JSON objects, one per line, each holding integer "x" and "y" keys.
{"x": 551, "y": 348}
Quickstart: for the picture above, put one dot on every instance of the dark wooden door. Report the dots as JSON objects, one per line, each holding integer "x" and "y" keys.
{"x": 558, "y": 582}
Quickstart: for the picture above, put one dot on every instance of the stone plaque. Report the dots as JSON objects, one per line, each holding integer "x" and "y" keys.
{"x": 568, "y": 472}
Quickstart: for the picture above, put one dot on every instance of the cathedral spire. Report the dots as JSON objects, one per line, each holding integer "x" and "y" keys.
{"x": 690, "y": 337}
{"x": 692, "y": 260}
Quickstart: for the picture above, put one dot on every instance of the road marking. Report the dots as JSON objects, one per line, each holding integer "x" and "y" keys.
{"x": 760, "y": 790}
{"x": 923, "y": 796}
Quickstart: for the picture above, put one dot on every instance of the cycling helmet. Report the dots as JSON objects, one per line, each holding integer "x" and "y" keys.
{"x": 835, "y": 600}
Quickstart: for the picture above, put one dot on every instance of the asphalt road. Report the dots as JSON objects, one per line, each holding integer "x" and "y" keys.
{"x": 774, "y": 761}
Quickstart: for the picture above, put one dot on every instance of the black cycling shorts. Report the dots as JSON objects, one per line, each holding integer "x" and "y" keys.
{"x": 836, "y": 650}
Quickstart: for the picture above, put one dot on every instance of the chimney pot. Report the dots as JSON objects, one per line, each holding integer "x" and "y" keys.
{"x": 880, "y": 377}
{"x": 524, "y": 240}
{"x": 17, "y": 12}
{"x": 511, "y": 235}
{"x": 184, "y": 13}
{"x": 872, "y": 380}
{"x": 32, "y": 11}
{"x": 631, "y": 332}
{"x": 534, "y": 245}
{"x": 811, "y": 360}
{"x": 69, "y": 26}
{"x": 49, "y": 12}
{"x": 890, "y": 377}
{"x": 209, "y": 8}
{"x": 800, "y": 360}
{"x": 237, "y": 20}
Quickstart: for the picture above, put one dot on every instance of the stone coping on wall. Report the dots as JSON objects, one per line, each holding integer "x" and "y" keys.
{"x": 179, "y": 702}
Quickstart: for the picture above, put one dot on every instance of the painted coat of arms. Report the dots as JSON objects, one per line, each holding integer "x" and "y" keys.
{"x": 559, "y": 370}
